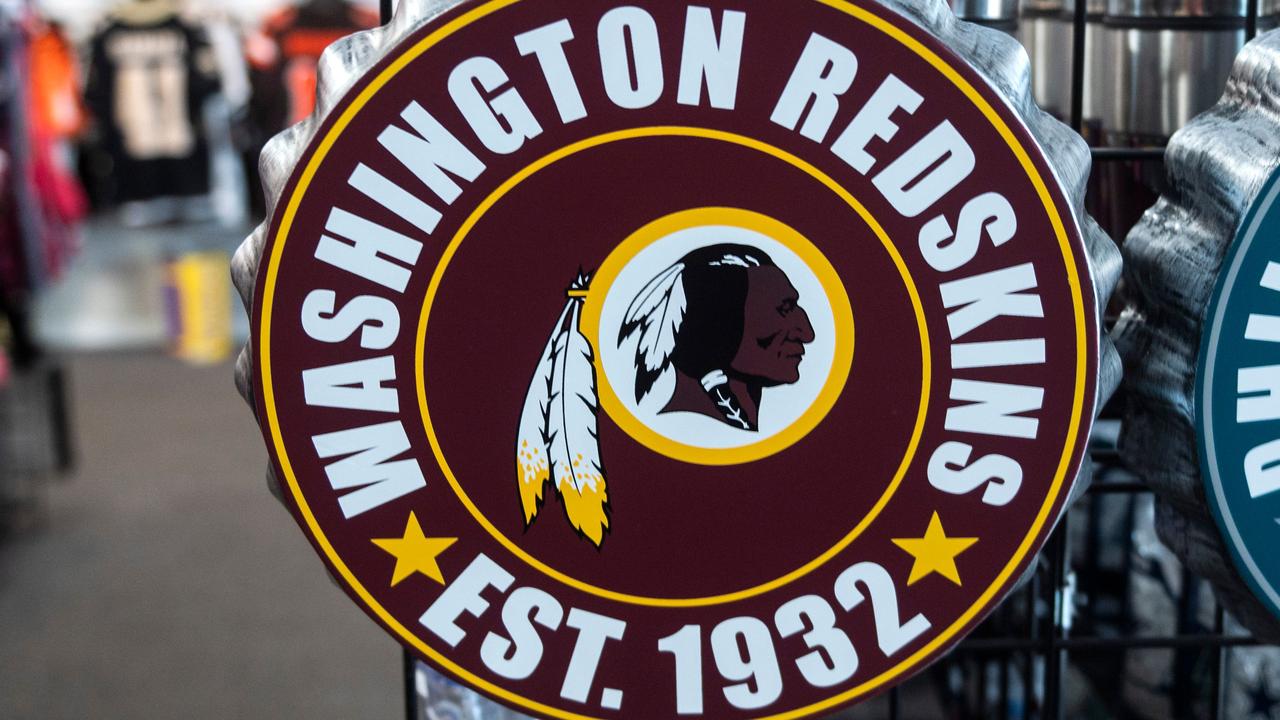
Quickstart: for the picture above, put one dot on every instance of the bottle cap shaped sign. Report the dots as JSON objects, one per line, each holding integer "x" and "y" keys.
{"x": 655, "y": 359}
{"x": 1202, "y": 342}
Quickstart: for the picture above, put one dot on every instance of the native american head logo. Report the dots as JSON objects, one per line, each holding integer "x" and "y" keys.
{"x": 728, "y": 323}
{"x": 724, "y": 321}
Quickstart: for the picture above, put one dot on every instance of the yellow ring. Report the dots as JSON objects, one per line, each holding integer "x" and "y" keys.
{"x": 542, "y": 567}
{"x": 1083, "y": 340}
{"x": 817, "y": 263}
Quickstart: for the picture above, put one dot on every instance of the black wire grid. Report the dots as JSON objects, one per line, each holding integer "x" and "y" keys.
{"x": 36, "y": 444}
{"x": 1074, "y": 613}
{"x": 36, "y": 441}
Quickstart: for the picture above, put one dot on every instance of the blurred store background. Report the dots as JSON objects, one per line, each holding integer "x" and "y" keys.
{"x": 144, "y": 570}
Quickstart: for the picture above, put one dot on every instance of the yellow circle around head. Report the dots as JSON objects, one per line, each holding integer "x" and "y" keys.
{"x": 817, "y": 263}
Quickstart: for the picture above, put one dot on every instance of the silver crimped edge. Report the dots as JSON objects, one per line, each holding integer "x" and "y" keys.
{"x": 1217, "y": 165}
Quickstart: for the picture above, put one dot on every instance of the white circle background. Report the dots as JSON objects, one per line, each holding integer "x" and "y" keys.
{"x": 779, "y": 407}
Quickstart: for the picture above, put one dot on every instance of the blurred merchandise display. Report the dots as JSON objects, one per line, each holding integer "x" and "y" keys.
{"x": 226, "y": 117}
{"x": 150, "y": 73}
{"x": 41, "y": 206}
{"x": 1165, "y": 63}
{"x": 200, "y": 305}
{"x": 160, "y": 147}
{"x": 1169, "y": 62}
{"x": 56, "y": 95}
{"x": 284, "y": 56}
{"x": 43, "y": 203}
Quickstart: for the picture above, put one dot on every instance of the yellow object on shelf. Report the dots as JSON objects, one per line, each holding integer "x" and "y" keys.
{"x": 200, "y": 302}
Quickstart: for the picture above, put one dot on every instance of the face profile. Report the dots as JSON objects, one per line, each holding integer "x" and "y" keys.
{"x": 729, "y": 322}
{"x": 775, "y": 329}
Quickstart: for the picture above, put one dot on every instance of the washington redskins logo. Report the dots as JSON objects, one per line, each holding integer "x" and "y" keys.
{"x": 705, "y": 337}
{"x": 652, "y": 360}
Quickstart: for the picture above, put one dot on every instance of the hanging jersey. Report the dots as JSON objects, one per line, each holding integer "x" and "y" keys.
{"x": 150, "y": 105}
{"x": 148, "y": 84}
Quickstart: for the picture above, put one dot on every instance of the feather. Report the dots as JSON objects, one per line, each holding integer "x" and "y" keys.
{"x": 533, "y": 467}
{"x": 651, "y": 295}
{"x": 574, "y": 444}
{"x": 657, "y": 313}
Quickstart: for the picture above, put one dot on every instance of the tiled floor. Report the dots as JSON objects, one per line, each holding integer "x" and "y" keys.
{"x": 164, "y": 581}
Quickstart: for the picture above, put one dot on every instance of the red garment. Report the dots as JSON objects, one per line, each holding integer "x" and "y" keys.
{"x": 56, "y": 116}
{"x": 63, "y": 205}
{"x": 42, "y": 206}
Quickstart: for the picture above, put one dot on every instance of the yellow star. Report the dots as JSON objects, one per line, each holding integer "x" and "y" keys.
{"x": 415, "y": 552}
{"x": 935, "y": 552}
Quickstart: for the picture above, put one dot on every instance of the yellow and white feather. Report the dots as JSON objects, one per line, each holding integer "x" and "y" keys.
{"x": 575, "y": 447}
{"x": 558, "y": 438}
{"x": 533, "y": 465}
{"x": 655, "y": 317}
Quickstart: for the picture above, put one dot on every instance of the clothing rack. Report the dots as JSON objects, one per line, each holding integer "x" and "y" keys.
{"x": 35, "y": 437}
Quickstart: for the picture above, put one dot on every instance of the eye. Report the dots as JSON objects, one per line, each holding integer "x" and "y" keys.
{"x": 787, "y": 307}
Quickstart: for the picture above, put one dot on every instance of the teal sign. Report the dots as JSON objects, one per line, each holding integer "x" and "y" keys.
{"x": 1238, "y": 393}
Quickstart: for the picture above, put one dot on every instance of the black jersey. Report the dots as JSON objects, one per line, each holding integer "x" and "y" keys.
{"x": 149, "y": 79}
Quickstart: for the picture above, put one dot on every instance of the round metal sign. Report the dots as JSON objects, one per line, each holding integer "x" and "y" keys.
{"x": 1199, "y": 343}
{"x": 655, "y": 360}
{"x": 1238, "y": 412}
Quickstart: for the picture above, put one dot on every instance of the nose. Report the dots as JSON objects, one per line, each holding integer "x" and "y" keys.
{"x": 802, "y": 331}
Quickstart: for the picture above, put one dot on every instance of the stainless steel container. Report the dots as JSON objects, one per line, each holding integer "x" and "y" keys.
{"x": 999, "y": 14}
{"x": 1168, "y": 61}
{"x": 1045, "y": 29}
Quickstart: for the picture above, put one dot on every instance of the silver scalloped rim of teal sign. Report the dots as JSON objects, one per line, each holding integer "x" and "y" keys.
{"x": 1243, "y": 338}
{"x": 1219, "y": 168}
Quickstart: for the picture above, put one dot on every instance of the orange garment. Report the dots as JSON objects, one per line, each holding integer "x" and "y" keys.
{"x": 56, "y": 106}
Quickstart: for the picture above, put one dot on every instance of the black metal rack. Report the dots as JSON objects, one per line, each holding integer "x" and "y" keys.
{"x": 35, "y": 434}
{"x": 1031, "y": 634}
{"x": 1015, "y": 665}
